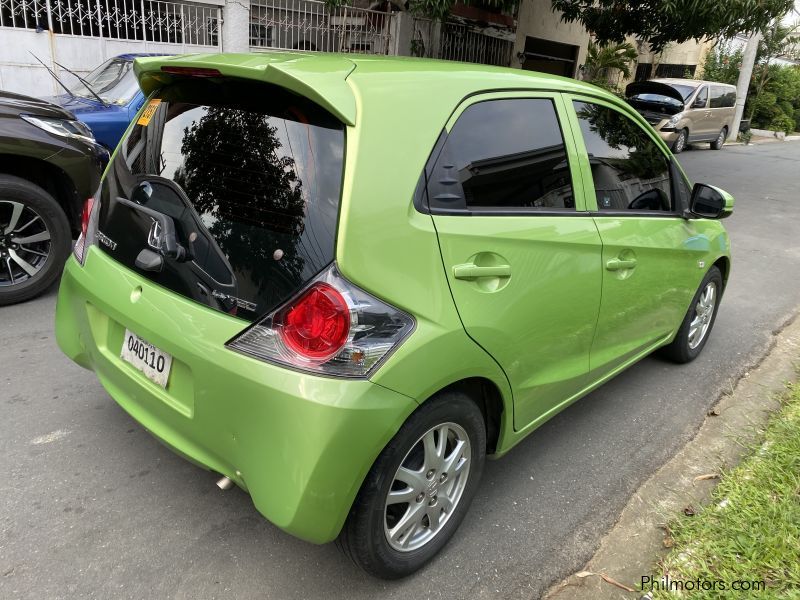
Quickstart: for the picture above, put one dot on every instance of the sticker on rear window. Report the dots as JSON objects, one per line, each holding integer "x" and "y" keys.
{"x": 148, "y": 113}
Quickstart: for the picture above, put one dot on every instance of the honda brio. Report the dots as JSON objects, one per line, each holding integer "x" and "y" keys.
{"x": 342, "y": 282}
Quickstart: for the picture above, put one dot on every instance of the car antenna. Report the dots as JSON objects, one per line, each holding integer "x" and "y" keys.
{"x": 49, "y": 70}
{"x": 85, "y": 83}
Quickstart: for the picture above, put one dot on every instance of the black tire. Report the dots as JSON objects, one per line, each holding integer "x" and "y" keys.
{"x": 718, "y": 143}
{"x": 35, "y": 201}
{"x": 364, "y": 537}
{"x": 682, "y": 141}
{"x": 681, "y": 350}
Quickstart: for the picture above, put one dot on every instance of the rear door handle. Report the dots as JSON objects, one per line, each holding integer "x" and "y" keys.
{"x": 618, "y": 264}
{"x": 473, "y": 271}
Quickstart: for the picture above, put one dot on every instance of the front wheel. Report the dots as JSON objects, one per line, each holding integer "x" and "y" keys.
{"x": 419, "y": 489}
{"x": 34, "y": 240}
{"x": 679, "y": 145}
{"x": 697, "y": 324}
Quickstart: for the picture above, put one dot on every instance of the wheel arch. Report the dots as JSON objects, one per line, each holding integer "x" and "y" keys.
{"x": 487, "y": 395}
{"x": 48, "y": 177}
{"x": 723, "y": 263}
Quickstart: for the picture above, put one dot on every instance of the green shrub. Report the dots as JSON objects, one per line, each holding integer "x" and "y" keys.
{"x": 782, "y": 122}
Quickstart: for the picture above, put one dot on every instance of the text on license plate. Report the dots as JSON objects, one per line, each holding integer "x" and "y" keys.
{"x": 151, "y": 361}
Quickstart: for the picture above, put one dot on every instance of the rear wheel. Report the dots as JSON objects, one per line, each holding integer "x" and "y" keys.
{"x": 697, "y": 324}
{"x": 34, "y": 240}
{"x": 419, "y": 488}
{"x": 679, "y": 145}
{"x": 720, "y": 141}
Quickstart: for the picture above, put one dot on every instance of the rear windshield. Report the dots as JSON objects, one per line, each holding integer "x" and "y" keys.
{"x": 250, "y": 177}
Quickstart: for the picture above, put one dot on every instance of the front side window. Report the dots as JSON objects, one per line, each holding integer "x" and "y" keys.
{"x": 702, "y": 98}
{"x": 629, "y": 170}
{"x": 503, "y": 154}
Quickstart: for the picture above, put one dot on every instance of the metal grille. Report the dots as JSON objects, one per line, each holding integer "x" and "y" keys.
{"x": 461, "y": 42}
{"x": 312, "y": 25}
{"x": 30, "y": 14}
{"x": 147, "y": 20}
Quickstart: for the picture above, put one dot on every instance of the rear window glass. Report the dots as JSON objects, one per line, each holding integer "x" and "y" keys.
{"x": 250, "y": 175}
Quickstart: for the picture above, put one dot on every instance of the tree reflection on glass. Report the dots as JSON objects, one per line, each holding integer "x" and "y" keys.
{"x": 248, "y": 194}
{"x": 644, "y": 159}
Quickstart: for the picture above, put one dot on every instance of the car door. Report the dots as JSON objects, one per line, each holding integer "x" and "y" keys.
{"x": 700, "y": 116}
{"x": 720, "y": 109}
{"x": 653, "y": 259}
{"x": 520, "y": 252}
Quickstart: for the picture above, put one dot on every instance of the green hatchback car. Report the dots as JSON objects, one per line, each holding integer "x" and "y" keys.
{"x": 342, "y": 282}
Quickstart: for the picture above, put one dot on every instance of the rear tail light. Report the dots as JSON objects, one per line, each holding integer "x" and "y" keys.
{"x": 332, "y": 327}
{"x": 191, "y": 71}
{"x": 86, "y": 238}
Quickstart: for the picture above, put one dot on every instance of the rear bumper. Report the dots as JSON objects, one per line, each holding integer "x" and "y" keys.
{"x": 299, "y": 444}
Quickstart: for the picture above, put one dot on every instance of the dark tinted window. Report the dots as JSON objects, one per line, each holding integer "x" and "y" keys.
{"x": 503, "y": 154}
{"x": 722, "y": 97}
{"x": 702, "y": 97}
{"x": 250, "y": 176}
{"x": 629, "y": 170}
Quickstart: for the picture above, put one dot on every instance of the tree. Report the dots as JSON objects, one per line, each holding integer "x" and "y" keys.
{"x": 603, "y": 61}
{"x": 662, "y": 21}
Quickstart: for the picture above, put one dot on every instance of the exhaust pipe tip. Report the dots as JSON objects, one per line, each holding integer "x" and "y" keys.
{"x": 225, "y": 483}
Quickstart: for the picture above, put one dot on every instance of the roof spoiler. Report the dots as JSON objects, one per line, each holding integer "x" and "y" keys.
{"x": 322, "y": 81}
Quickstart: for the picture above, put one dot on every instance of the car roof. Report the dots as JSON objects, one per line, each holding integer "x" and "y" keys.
{"x": 134, "y": 55}
{"x": 333, "y": 80}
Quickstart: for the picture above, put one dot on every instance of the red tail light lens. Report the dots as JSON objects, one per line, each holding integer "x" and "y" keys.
{"x": 87, "y": 212}
{"x": 332, "y": 328}
{"x": 80, "y": 246}
{"x": 317, "y": 324}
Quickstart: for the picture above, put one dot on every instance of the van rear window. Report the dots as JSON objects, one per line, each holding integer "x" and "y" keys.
{"x": 250, "y": 176}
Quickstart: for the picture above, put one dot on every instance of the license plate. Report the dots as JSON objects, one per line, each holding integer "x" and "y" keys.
{"x": 151, "y": 361}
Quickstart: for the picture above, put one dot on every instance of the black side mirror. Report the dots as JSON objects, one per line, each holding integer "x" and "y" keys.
{"x": 699, "y": 103}
{"x": 707, "y": 202}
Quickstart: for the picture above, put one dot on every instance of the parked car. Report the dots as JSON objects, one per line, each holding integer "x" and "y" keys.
{"x": 342, "y": 282}
{"x": 685, "y": 110}
{"x": 49, "y": 164}
{"x": 107, "y": 99}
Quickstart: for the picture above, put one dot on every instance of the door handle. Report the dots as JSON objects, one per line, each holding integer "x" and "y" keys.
{"x": 473, "y": 271}
{"x": 618, "y": 264}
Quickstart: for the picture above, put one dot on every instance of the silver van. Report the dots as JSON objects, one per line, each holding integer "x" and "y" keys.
{"x": 685, "y": 110}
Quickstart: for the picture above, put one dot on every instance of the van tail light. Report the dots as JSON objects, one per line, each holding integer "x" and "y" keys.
{"x": 88, "y": 226}
{"x": 331, "y": 327}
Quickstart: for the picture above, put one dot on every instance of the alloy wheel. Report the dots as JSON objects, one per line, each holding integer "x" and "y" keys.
{"x": 25, "y": 243}
{"x": 680, "y": 144}
{"x": 703, "y": 313}
{"x": 427, "y": 487}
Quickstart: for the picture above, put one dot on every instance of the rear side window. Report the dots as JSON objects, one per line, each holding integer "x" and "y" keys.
{"x": 249, "y": 174}
{"x": 630, "y": 172}
{"x": 503, "y": 155}
{"x": 722, "y": 97}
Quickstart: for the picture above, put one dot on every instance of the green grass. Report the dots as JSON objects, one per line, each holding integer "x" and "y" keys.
{"x": 750, "y": 531}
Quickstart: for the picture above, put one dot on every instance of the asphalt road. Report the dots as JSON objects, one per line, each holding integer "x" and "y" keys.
{"x": 92, "y": 507}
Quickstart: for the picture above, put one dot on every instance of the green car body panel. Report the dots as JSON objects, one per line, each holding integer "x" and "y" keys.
{"x": 301, "y": 444}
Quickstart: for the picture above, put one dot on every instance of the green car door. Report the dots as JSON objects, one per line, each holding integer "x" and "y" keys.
{"x": 653, "y": 259}
{"x": 521, "y": 254}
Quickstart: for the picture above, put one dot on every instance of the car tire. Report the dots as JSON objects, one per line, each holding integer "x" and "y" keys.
{"x": 370, "y": 536}
{"x": 679, "y": 145}
{"x": 718, "y": 143}
{"x": 699, "y": 320}
{"x": 27, "y": 212}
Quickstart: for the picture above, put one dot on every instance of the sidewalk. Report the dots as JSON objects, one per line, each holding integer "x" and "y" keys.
{"x": 632, "y": 547}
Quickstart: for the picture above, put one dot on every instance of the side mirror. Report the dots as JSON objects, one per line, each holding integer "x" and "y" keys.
{"x": 699, "y": 103}
{"x": 709, "y": 202}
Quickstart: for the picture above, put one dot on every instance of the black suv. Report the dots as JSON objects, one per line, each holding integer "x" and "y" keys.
{"x": 50, "y": 165}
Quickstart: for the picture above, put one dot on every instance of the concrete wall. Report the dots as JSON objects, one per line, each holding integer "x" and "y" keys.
{"x": 21, "y": 73}
{"x": 537, "y": 19}
{"x": 687, "y": 53}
